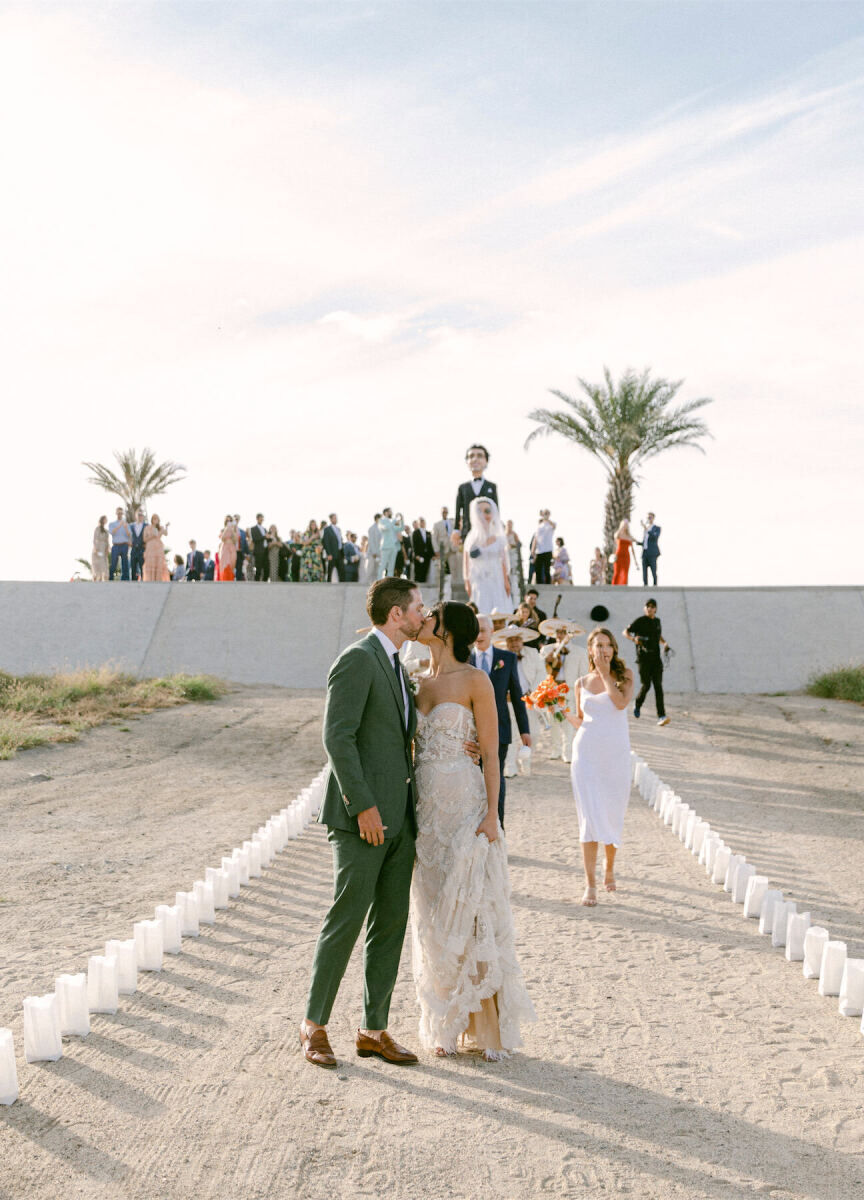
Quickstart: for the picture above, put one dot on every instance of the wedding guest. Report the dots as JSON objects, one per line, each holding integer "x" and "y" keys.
{"x": 312, "y": 555}
{"x": 543, "y": 547}
{"x": 477, "y": 458}
{"x": 566, "y": 662}
{"x": 178, "y": 574}
{"x": 228, "y": 541}
{"x": 373, "y": 550}
{"x": 650, "y": 549}
{"x": 623, "y": 550}
{"x": 259, "y": 549}
{"x": 99, "y": 554}
{"x": 364, "y": 566}
{"x": 501, "y": 667}
{"x": 390, "y": 528}
{"x": 597, "y": 568}
{"x": 275, "y": 546}
{"x": 647, "y": 632}
{"x": 208, "y": 568}
{"x": 404, "y": 555}
{"x": 351, "y": 558}
{"x": 136, "y": 552}
{"x": 532, "y": 671}
{"x": 537, "y": 614}
{"x": 441, "y": 532}
{"x": 423, "y": 550}
{"x": 561, "y": 564}
{"x": 514, "y": 546}
{"x": 242, "y": 550}
{"x": 331, "y": 540}
{"x": 121, "y": 537}
{"x": 194, "y": 562}
{"x": 155, "y": 567}
{"x": 456, "y": 559}
{"x": 600, "y": 774}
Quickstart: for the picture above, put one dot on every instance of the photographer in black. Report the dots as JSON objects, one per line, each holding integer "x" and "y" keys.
{"x": 647, "y": 633}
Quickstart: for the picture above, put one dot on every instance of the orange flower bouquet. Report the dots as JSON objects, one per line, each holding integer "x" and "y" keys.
{"x": 549, "y": 698}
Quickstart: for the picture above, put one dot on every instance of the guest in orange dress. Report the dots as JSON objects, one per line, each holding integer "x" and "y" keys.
{"x": 623, "y": 550}
{"x": 228, "y": 550}
{"x": 155, "y": 565}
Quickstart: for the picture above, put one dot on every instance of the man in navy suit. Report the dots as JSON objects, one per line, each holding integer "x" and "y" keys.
{"x": 502, "y": 667}
{"x": 332, "y": 541}
{"x": 194, "y": 562}
{"x": 477, "y": 458}
{"x": 136, "y": 556}
{"x": 650, "y": 549}
{"x": 208, "y": 568}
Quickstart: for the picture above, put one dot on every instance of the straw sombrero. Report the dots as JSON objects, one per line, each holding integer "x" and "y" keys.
{"x": 557, "y": 627}
{"x": 509, "y": 631}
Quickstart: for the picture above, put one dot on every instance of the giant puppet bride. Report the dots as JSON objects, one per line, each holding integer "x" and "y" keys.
{"x": 486, "y": 558}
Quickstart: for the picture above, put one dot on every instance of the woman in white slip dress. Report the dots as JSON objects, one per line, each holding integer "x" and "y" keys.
{"x": 468, "y": 981}
{"x": 486, "y": 558}
{"x": 601, "y": 756}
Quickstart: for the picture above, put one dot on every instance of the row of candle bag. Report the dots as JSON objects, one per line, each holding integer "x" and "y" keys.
{"x": 789, "y": 930}
{"x": 66, "y": 1011}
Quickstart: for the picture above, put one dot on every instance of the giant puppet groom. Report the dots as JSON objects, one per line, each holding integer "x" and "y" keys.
{"x": 477, "y": 458}
{"x": 369, "y": 809}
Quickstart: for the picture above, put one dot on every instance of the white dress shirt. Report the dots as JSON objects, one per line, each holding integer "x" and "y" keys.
{"x": 391, "y": 650}
{"x": 477, "y": 484}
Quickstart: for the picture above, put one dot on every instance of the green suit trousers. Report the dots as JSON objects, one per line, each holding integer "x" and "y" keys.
{"x": 373, "y": 880}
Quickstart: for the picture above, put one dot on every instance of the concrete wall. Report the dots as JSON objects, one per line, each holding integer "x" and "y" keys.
{"x": 726, "y": 639}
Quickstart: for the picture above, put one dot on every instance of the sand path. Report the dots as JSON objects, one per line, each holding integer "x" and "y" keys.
{"x": 675, "y": 1054}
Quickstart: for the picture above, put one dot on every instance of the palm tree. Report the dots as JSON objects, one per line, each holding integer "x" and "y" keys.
{"x": 623, "y": 426}
{"x": 138, "y": 480}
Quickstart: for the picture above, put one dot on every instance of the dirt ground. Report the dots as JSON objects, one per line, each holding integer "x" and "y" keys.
{"x": 675, "y": 1053}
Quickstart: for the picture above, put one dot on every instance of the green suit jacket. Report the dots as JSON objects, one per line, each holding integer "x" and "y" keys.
{"x": 367, "y": 743}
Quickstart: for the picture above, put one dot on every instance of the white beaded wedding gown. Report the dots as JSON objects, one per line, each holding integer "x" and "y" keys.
{"x": 486, "y": 575}
{"x": 465, "y": 970}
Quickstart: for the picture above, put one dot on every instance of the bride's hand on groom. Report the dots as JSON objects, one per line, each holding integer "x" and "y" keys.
{"x": 370, "y": 827}
{"x": 489, "y": 826}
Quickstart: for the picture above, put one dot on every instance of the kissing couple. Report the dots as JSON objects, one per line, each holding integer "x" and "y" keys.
{"x": 411, "y": 815}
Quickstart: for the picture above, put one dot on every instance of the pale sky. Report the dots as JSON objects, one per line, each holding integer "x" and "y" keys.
{"x": 312, "y": 251}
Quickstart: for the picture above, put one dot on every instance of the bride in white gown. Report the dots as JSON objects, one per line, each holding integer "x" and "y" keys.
{"x": 468, "y": 981}
{"x": 487, "y": 558}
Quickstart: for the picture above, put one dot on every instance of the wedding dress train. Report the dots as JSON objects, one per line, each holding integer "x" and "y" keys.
{"x": 465, "y": 970}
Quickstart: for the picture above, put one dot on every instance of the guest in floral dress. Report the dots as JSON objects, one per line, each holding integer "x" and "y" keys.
{"x": 597, "y": 568}
{"x": 312, "y": 555}
{"x": 561, "y": 564}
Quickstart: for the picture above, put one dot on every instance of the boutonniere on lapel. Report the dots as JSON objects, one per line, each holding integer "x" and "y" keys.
{"x": 413, "y": 685}
{"x": 498, "y": 665}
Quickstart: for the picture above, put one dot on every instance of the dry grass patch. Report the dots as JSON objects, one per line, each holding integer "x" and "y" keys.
{"x": 37, "y": 709}
{"x": 846, "y": 683}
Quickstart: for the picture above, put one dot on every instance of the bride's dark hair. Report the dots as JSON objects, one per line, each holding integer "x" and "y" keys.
{"x": 460, "y": 622}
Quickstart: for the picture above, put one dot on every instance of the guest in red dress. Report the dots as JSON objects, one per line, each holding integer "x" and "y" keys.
{"x": 623, "y": 550}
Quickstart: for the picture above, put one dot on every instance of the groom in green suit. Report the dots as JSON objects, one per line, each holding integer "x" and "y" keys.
{"x": 369, "y": 811}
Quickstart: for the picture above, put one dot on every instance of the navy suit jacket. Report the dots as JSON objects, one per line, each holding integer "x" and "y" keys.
{"x": 505, "y": 681}
{"x": 208, "y": 569}
{"x": 331, "y": 543}
{"x": 194, "y": 564}
{"x": 651, "y": 542}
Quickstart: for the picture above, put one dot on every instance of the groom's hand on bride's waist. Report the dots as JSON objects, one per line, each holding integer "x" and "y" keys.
{"x": 370, "y": 827}
{"x": 472, "y": 749}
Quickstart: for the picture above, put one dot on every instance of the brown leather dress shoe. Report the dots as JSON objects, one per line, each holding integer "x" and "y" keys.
{"x": 384, "y": 1047}
{"x": 316, "y": 1047}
